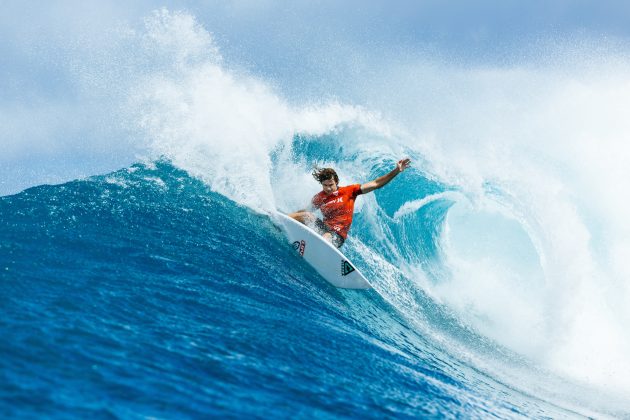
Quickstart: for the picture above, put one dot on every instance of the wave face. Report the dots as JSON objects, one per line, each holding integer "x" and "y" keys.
{"x": 164, "y": 289}
{"x": 143, "y": 292}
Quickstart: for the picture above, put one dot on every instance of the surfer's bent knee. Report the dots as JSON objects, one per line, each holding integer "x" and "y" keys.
{"x": 303, "y": 217}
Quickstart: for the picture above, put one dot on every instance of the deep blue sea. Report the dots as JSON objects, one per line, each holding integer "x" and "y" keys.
{"x": 143, "y": 294}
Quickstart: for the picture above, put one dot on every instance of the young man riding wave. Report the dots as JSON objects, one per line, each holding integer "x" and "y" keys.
{"x": 337, "y": 203}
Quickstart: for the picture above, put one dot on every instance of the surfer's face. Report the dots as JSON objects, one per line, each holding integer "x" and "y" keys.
{"x": 329, "y": 186}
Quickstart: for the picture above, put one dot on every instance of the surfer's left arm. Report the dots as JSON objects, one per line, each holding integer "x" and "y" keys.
{"x": 383, "y": 180}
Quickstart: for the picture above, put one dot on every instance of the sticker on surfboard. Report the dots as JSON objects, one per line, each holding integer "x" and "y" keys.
{"x": 346, "y": 268}
{"x": 299, "y": 246}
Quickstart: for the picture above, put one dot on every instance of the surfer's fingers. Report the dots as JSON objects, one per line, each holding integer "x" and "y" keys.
{"x": 404, "y": 163}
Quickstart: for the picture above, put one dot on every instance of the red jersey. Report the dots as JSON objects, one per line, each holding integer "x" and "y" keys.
{"x": 338, "y": 207}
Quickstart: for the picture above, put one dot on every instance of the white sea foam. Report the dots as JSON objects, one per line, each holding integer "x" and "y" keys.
{"x": 220, "y": 125}
{"x": 552, "y": 141}
{"x": 413, "y": 206}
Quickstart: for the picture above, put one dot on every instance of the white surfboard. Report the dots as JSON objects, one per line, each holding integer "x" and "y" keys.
{"x": 322, "y": 255}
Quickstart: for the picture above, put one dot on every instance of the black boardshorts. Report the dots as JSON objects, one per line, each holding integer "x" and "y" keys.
{"x": 337, "y": 239}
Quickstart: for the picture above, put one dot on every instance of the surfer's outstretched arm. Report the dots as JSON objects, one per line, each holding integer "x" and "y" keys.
{"x": 383, "y": 180}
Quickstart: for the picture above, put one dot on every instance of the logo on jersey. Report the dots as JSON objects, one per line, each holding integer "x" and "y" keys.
{"x": 334, "y": 201}
{"x": 346, "y": 268}
{"x": 299, "y": 246}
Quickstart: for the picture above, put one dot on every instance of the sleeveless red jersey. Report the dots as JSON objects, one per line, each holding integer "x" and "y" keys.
{"x": 338, "y": 207}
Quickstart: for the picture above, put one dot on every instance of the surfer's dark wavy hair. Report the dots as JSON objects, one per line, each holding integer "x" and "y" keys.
{"x": 323, "y": 174}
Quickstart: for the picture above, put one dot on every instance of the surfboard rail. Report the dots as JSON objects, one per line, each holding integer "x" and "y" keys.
{"x": 324, "y": 257}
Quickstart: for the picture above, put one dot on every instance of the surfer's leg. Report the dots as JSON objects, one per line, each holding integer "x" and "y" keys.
{"x": 334, "y": 238}
{"x": 309, "y": 219}
{"x": 337, "y": 239}
{"x": 304, "y": 217}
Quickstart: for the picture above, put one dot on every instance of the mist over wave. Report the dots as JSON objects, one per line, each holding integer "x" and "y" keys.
{"x": 518, "y": 256}
{"x": 513, "y": 219}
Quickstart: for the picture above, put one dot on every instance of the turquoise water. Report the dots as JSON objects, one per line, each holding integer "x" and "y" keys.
{"x": 144, "y": 294}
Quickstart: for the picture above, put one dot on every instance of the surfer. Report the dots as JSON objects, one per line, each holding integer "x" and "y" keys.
{"x": 337, "y": 203}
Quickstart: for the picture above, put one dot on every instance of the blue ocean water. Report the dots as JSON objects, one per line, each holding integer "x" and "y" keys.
{"x": 142, "y": 293}
{"x": 152, "y": 281}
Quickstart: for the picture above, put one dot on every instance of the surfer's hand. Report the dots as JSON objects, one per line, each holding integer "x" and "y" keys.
{"x": 403, "y": 164}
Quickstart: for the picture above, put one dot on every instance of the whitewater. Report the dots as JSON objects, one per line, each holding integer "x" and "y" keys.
{"x": 151, "y": 279}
